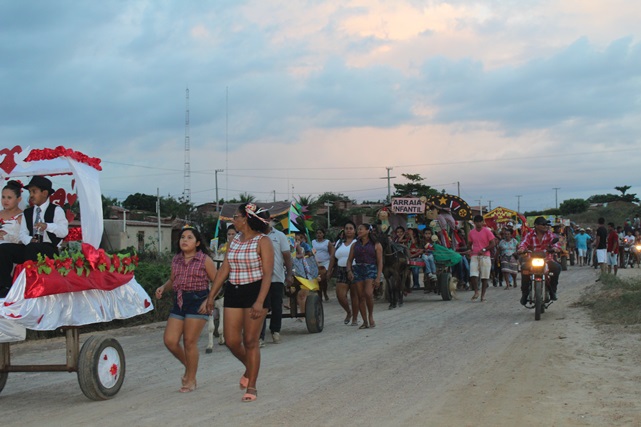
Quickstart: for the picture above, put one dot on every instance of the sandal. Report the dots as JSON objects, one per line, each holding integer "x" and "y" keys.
{"x": 244, "y": 382}
{"x": 363, "y": 326}
{"x": 347, "y": 319}
{"x": 372, "y": 324}
{"x": 355, "y": 323}
{"x": 187, "y": 388}
{"x": 475, "y": 296}
{"x": 250, "y": 395}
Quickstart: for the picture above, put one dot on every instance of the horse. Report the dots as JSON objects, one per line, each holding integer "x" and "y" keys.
{"x": 395, "y": 269}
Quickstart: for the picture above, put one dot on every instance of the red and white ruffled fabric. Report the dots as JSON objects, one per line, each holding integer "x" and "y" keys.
{"x": 79, "y": 308}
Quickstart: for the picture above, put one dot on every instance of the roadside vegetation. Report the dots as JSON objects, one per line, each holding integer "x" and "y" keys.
{"x": 614, "y": 301}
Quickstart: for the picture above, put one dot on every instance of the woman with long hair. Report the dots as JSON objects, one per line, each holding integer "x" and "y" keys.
{"x": 246, "y": 273}
{"x": 367, "y": 254}
{"x": 191, "y": 271}
{"x": 338, "y": 270}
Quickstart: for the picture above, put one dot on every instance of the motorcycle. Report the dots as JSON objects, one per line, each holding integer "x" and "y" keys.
{"x": 628, "y": 254}
{"x": 537, "y": 268}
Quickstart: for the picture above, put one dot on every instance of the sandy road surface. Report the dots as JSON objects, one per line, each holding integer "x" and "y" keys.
{"x": 430, "y": 362}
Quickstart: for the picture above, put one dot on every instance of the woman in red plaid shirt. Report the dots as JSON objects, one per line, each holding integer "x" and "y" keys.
{"x": 247, "y": 275}
{"x": 191, "y": 271}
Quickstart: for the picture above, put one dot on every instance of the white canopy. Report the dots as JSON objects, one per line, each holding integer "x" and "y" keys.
{"x": 87, "y": 185}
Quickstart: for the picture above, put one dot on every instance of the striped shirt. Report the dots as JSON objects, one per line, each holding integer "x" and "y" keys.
{"x": 245, "y": 265}
{"x": 189, "y": 275}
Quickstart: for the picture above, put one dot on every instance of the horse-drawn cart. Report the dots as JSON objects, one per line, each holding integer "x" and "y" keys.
{"x": 74, "y": 289}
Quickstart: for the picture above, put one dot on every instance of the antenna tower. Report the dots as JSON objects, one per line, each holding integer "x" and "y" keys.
{"x": 187, "y": 190}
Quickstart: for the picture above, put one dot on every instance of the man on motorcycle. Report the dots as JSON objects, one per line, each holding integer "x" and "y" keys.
{"x": 540, "y": 239}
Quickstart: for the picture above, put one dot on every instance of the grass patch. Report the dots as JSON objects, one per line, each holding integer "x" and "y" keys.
{"x": 614, "y": 301}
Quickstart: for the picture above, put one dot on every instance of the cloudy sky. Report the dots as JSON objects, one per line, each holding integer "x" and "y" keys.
{"x": 300, "y": 97}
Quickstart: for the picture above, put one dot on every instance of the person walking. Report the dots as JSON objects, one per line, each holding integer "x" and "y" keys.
{"x": 581, "y": 240}
{"x": 191, "y": 271}
{"x": 246, "y": 273}
{"x": 367, "y": 254}
{"x": 282, "y": 275}
{"x": 338, "y": 270}
{"x": 324, "y": 251}
{"x": 509, "y": 264}
{"x": 612, "y": 247}
{"x": 601, "y": 245}
{"x": 481, "y": 241}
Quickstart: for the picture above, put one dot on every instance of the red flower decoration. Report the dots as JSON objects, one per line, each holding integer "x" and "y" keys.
{"x": 60, "y": 151}
{"x": 80, "y": 263}
{"x": 75, "y": 235}
{"x": 116, "y": 262}
{"x": 114, "y": 370}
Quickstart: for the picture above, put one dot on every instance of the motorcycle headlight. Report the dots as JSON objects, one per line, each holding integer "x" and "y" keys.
{"x": 538, "y": 262}
{"x": 638, "y": 248}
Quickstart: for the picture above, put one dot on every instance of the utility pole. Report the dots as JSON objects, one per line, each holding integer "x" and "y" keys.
{"x": 518, "y": 208}
{"x": 556, "y": 196}
{"x": 489, "y": 202}
{"x": 389, "y": 188}
{"x": 458, "y": 188}
{"x": 480, "y": 204}
{"x": 216, "y": 175}
{"x": 158, "y": 215}
{"x": 328, "y": 205}
{"x": 274, "y": 191}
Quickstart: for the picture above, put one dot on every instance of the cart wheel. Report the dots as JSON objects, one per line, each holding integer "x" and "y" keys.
{"x": 3, "y": 379}
{"x": 444, "y": 286}
{"x": 314, "y": 315}
{"x": 101, "y": 368}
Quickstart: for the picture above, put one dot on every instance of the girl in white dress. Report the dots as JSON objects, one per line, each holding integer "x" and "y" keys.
{"x": 11, "y": 215}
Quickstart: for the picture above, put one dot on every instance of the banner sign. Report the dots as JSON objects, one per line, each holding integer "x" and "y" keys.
{"x": 408, "y": 205}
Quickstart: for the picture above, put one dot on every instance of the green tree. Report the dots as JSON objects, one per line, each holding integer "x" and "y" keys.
{"x": 140, "y": 202}
{"x": 246, "y": 197}
{"x": 573, "y": 206}
{"x": 107, "y": 203}
{"x": 414, "y": 187}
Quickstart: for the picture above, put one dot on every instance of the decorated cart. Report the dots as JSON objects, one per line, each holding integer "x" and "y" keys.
{"x": 441, "y": 213}
{"x": 75, "y": 288}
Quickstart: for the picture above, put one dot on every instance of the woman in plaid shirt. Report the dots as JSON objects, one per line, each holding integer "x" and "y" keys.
{"x": 247, "y": 274}
{"x": 191, "y": 271}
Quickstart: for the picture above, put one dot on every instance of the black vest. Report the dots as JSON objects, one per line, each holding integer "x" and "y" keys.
{"x": 48, "y": 217}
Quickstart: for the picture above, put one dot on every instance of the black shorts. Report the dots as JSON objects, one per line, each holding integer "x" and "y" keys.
{"x": 340, "y": 274}
{"x": 244, "y": 296}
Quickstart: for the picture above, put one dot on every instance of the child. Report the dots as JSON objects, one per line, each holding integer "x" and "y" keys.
{"x": 191, "y": 271}
{"x": 428, "y": 255}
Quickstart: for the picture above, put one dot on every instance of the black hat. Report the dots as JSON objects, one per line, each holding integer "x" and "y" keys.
{"x": 541, "y": 221}
{"x": 41, "y": 182}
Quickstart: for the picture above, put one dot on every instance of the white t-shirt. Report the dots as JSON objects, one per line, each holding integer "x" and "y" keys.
{"x": 322, "y": 251}
{"x": 280, "y": 243}
{"x": 342, "y": 253}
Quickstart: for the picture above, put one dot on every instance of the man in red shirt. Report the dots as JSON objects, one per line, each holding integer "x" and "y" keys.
{"x": 613, "y": 248}
{"x": 539, "y": 240}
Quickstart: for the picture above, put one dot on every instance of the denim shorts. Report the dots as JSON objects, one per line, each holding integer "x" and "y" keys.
{"x": 363, "y": 272}
{"x": 192, "y": 300}
{"x": 244, "y": 296}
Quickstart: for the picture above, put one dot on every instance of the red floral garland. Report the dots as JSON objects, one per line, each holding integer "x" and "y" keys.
{"x": 60, "y": 151}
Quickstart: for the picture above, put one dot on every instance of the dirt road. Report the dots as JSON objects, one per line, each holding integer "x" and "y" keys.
{"x": 430, "y": 362}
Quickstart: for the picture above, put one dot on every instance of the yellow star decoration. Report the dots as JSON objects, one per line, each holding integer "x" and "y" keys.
{"x": 442, "y": 200}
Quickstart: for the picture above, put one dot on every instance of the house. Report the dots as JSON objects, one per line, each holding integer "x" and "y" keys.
{"x": 141, "y": 235}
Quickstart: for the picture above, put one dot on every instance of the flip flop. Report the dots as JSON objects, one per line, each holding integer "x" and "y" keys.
{"x": 372, "y": 324}
{"x": 244, "y": 382}
{"x": 348, "y": 318}
{"x": 250, "y": 397}
{"x": 355, "y": 323}
{"x": 363, "y": 326}
{"x": 187, "y": 389}
{"x": 475, "y": 297}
